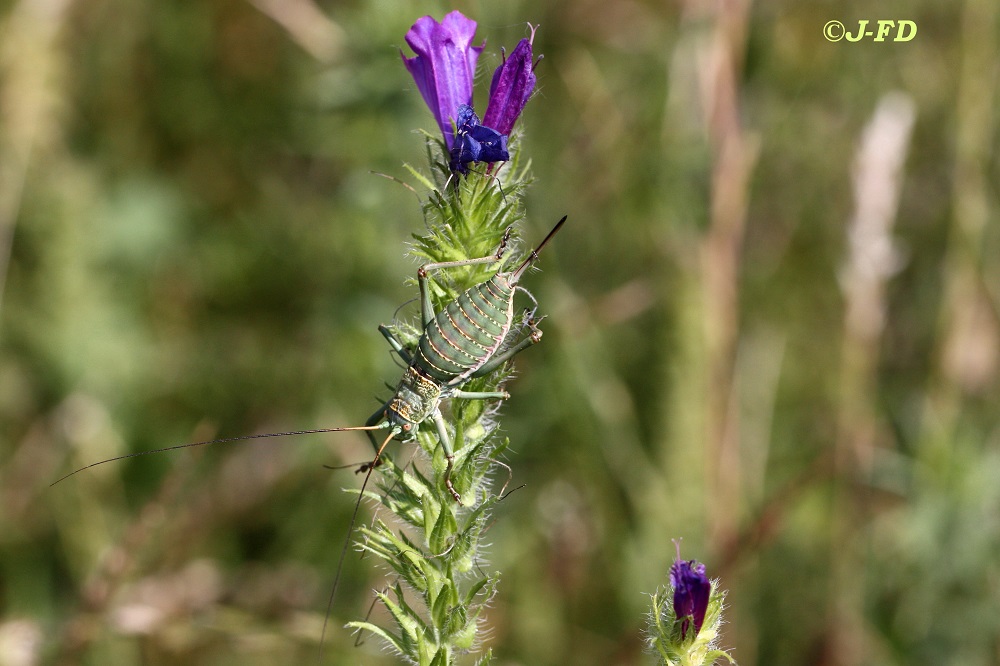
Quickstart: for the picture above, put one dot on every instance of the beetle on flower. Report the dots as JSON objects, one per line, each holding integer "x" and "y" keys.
{"x": 443, "y": 69}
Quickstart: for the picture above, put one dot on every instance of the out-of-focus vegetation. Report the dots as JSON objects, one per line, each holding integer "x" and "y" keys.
{"x": 762, "y": 335}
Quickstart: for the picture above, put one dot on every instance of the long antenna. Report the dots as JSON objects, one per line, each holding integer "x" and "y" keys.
{"x": 350, "y": 530}
{"x": 218, "y": 441}
{"x": 357, "y": 507}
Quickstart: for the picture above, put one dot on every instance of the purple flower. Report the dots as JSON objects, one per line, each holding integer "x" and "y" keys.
{"x": 513, "y": 83}
{"x": 444, "y": 66}
{"x": 691, "y": 592}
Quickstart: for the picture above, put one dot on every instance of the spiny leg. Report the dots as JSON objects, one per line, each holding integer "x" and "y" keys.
{"x": 493, "y": 364}
{"x": 479, "y": 395}
{"x": 396, "y": 345}
{"x": 426, "y": 307}
{"x": 445, "y": 439}
{"x": 526, "y": 321}
{"x": 533, "y": 339}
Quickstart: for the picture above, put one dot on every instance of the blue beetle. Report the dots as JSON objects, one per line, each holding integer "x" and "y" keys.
{"x": 475, "y": 142}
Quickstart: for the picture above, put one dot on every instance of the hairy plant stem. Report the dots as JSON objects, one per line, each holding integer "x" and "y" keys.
{"x": 433, "y": 544}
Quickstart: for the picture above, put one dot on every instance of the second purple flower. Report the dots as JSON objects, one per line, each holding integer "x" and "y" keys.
{"x": 692, "y": 590}
{"x": 512, "y": 85}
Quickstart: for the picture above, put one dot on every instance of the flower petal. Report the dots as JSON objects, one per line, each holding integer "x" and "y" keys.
{"x": 512, "y": 85}
{"x": 691, "y": 593}
{"x": 444, "y": 65}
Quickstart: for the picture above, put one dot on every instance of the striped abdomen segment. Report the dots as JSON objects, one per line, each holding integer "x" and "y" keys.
{"x": 463, "y": 336}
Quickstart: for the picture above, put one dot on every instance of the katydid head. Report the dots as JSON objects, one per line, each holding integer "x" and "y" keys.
{"x": 403, "y": 428}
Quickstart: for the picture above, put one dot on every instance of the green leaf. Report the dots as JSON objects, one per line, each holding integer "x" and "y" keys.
{"x": 421, "y": 178}
{"x": 465, "y": 217}
{"x": 388, "y": 637}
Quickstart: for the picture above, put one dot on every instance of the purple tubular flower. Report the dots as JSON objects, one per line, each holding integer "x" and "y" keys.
{"x": 445, "y": 65}
{"x": 691, "y": 593}
{"x": 513, "y": 83}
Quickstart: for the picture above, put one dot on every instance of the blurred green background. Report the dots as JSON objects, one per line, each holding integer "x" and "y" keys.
{"x": 772, "y": 325}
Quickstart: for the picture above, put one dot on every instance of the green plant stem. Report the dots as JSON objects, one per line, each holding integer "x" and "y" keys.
{"x": 432, "y": 546}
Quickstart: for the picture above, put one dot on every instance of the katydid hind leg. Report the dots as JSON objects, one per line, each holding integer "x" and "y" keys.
{"x": 533, "y": 339}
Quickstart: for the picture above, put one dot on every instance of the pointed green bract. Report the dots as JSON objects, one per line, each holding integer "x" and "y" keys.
{"x": 441, "y": 503}
{"x": 664, "y": 638}
{"x": 432, "y": 543}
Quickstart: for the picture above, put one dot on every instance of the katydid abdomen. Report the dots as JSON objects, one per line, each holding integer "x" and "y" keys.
{"x": 468, "y": 332}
